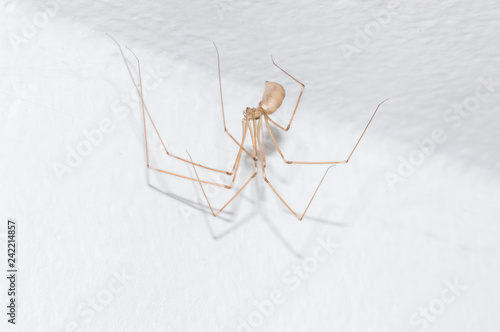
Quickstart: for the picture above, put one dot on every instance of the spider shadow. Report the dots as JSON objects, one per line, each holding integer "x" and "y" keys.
{"x": 322, "y": 221}
{"x": 234, "y": 225}
{"x": 275, "y": 230}
{"x": 268, "y": 143}
{"x": 227, "y": 217}
{"x": 188, "y": 202}
{"x": 261, "y": 212}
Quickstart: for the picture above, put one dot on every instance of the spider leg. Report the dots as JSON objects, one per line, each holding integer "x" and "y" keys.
{"x": 238, "y": 157}
{"x": 146, "y": 111}
{"x": 319, "y": 162}
{"x": 222, "y": 106}
{"x": 261, "y": 133}
{"x": 235, "y": 168}
{"x": 298, "y": 100}
{"x": 246, "y": 126}
{"x": 300, "y": 217}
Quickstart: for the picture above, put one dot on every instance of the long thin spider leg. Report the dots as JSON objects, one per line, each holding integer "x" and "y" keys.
{"x": 238, "y": 158}
{"x": 234, "y": 196}
{"x": 237, "y": 165}
{"x": 298, "y": 100}
{"x": 143, "y": 110}
{"x": 261, "y": 133}
{"x": 222, "y": 105}
{"x": 254, "y": 143}
{"x": 144, "y": 107}
{"x": 320, "y": 162}
{"x": 145, "y": 134}
{"x": 262, "y": 156}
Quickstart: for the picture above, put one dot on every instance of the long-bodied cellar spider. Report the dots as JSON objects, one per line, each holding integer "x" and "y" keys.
{"x": 253, "y": 122}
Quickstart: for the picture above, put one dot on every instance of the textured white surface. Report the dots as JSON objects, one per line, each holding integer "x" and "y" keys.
{"x": 397, "y": 247}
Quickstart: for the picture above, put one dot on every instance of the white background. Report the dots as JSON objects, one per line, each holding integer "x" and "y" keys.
{"x": 105, "y": 245}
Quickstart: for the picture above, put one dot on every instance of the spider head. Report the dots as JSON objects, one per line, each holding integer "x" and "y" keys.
{"x": 253, "y": 113}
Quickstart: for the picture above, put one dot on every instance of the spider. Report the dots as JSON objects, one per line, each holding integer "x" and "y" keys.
{"x": 254, "y": 119}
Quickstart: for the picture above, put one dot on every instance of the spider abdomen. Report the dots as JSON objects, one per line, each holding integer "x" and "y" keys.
{"x": 274, "y": 94}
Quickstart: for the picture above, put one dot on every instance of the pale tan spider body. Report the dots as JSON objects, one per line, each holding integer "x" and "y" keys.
{"x": 274, "y": 93}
